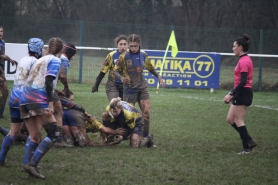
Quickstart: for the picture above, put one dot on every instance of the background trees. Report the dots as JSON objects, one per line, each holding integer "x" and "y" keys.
{"x": 242, "y": 14}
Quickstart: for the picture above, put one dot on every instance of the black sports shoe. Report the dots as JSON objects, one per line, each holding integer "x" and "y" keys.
{"x": 244, "y": 151}
{"x": 252, "y": 144}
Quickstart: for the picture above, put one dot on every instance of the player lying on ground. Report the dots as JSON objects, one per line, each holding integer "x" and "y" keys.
{"x": 77, "y": 123}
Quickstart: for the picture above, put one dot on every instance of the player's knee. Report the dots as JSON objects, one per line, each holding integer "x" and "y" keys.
{"x": 36, "y": 138}
{"x": 15, "y": 129}
{"x": 74, "y": 129}
{"x": 52, "y": 130}
{"x": 135, "y": 141}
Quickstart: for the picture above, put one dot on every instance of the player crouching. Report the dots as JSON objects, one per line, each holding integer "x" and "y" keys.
{"x": 122, "y": 114}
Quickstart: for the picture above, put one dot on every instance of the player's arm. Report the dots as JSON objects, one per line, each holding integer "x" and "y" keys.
{"x": 98, "y": 80}
{"x": 62, "y": 75}
{"x": 64, "y": 80}
{"x": 49, "y": 88}
{"x": 243, "y": 79}
{"x": 6, "y": 57}
{"x": 79, "y": 108}
{"x": 106, "y": 66}
{"x": 110, "y": 131}
{"x": 71, "y": 105}
{"x": 151, "y": 69}
{"x": 119, "y": 66}
{"x": 89, "y": 142}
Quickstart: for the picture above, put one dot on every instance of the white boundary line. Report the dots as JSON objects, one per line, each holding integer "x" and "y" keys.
{"x": 213, "y": 99}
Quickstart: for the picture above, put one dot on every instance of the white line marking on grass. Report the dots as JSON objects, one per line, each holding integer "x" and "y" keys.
{"x": 265, "y": 107}
{"x": 213, "y": 99}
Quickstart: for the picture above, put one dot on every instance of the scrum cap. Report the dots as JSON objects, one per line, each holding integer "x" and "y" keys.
{"x": 35, "y": 45}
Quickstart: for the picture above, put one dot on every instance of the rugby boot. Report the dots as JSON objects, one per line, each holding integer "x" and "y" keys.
{"x": 252, "y": 143}
{"x": 33, "y": 171}
{"x": 244, "y": 151}
{"x": 69, "y": 141}
{"x": 63, "y": 144}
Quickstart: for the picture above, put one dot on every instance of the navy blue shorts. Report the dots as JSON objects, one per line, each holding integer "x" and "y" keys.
{"x": 73, "y": 117}
{"x": 15, "y": 115}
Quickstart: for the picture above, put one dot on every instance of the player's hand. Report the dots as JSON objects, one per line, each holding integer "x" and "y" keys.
{"x": 161, "y": 82}
{"x": 94, "y": 88}
{"x": 60, "y": 93}
{"x": 12, "y": 61}
{"x": 227, "y": 99}
{"x": 116, "y": 140}
{"x": 120, "y": 131}
{"x": 125, "y": 80}
{"x": 66, "y": 89}
{"x": 103, "y": 137}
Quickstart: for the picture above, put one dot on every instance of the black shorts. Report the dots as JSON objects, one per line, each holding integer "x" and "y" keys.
{"x": 244, "y": 97}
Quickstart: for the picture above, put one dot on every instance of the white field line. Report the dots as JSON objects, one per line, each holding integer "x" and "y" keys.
{"x": 214, "y": 99}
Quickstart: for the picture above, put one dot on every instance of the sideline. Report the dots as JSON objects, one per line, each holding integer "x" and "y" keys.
{"x": 213, "y": 99}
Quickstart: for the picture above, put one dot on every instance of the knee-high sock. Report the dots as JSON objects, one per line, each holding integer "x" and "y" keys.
{"x": 27, "y": 144}
{"x": 6, "y": 145}
{"x": 146, "y": 128}
{"x": 30, "y": 151}
{"x": 244, "y": 136}
{"x": 41, "y": 150}
{"x": 236, "y": 128}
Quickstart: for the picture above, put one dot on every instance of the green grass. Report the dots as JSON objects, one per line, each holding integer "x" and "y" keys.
{"x": 195, "y": 145}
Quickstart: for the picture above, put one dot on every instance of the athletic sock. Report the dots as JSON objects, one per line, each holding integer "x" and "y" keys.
{"x": 244, "y": 136}
{"x": 6, "y": 145}
{"x": 146, "y": 128}
{"x": 25, "y": 159}
{"x": 236, "y": 128}
{"x": 30, "y": 151}
{"x": 41, "y": 150}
